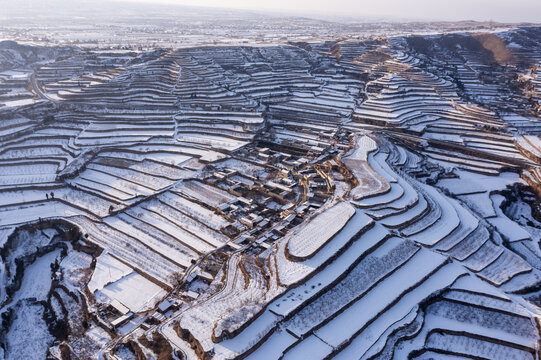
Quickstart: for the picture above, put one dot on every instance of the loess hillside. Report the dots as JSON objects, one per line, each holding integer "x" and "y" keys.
{"x": 347, "y": 199}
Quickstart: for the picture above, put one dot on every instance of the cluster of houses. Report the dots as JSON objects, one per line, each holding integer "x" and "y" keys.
{"x": 266, "y": 207}
{"x": 115, "y": 315}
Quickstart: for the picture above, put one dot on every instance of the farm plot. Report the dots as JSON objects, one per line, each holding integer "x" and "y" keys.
{"x": 475, "y": 320}
{"x": 239, "y": 318}
{"x": 305, "y": 242}
{"x": 199, "y": 191}
{"x": 370, "y": 182}
{"x": 133, "y": 291}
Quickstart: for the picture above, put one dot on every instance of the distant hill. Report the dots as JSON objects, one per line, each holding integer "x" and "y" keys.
{"x": 13, "y": 54}
{"x": 491, "y": 48}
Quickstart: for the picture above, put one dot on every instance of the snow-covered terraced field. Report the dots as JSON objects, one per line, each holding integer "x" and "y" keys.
{"x": 306, "y": 242}
{"x": 349, "y": 199}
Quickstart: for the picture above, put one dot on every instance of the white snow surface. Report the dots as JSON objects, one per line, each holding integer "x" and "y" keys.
{"x": 312, "y": 237}
{"x": 108, "y": 270}
{"x": 133, "y": 291}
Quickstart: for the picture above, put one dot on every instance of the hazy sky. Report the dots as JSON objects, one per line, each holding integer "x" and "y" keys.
{"x": 497, "y": 10}
{"x": 481, "y": 10}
